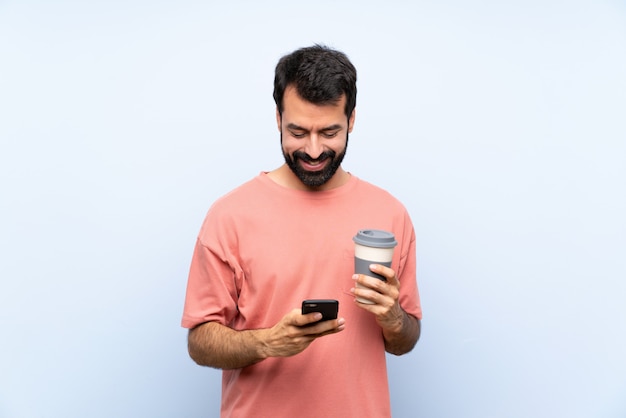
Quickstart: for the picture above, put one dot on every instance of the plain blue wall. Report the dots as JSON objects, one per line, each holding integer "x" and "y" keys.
{"x": 500, "y": 125}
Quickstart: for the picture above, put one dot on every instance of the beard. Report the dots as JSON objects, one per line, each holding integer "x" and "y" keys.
{"x": 315, "y": 178}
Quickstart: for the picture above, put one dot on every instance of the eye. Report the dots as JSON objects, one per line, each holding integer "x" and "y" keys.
{"x": 330, "y": 134}
{"x": 297, "y": 135}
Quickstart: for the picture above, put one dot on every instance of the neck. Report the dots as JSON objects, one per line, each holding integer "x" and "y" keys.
{"x": 286, "y": 178}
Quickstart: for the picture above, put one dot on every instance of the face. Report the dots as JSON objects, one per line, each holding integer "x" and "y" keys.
{"x": 314, "y": 138}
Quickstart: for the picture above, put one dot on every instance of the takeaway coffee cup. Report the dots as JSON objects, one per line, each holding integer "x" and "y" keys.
{"x": 372, "y": 246}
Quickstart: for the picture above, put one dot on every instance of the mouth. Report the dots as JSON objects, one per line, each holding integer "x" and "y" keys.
{"x": 314, "y": 165}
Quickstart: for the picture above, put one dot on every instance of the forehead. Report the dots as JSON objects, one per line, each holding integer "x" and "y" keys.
{"x": 301, "y": 112}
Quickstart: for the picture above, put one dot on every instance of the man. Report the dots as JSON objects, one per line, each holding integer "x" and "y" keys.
{"x": 286, "y": 236}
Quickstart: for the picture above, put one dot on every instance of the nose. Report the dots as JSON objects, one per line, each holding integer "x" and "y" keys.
{"x": 314, "y": 147}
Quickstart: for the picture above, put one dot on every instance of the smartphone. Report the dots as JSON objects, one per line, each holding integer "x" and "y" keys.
{"x": 327, "y": 307}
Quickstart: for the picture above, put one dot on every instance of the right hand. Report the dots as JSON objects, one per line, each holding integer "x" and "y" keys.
{"x": 291, "y": 336}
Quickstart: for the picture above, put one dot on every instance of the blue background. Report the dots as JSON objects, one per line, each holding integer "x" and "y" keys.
{"x": 500, "y": 125}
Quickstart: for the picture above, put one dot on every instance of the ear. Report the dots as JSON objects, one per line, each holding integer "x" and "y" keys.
{"x": 351, "y": 121}
{"x": 278, "y": 120}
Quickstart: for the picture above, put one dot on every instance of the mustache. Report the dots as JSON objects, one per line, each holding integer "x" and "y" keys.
{"x": 306, "y": 157}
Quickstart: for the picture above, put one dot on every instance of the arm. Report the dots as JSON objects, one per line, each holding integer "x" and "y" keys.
{"x": 402, "y": 338}
{"x": 401, "y": 331}
{"x": 215, "y": 345}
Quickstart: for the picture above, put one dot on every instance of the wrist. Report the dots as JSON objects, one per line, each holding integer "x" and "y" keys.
{"x": 260, "y": 343}
{"x": 395, "y": 324}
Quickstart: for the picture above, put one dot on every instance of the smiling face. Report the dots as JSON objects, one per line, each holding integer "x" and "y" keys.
{"x": 314, "y": 140}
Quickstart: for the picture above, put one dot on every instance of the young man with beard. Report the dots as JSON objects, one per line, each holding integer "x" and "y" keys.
{"x": 286, "y": 236}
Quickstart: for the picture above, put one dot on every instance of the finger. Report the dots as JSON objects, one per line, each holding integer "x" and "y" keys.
{"x": 370, "y": 282}
{"x": 376, "y": 291}
{"x": 331, "y": 326}
{"x": 295, "y": 318}
{"x": 308, "y": 319}
{"x": 386, "y": 272}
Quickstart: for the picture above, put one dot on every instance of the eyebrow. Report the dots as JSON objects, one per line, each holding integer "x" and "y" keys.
{"x": 295, "y": 127}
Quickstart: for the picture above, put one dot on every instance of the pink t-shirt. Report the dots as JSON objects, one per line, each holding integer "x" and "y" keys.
{"x": 262, "y": 249}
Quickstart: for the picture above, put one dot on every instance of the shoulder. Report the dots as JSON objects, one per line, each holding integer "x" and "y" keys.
{"x": 376, "y": 193}
{"x": 239, "y": 193}
{"x": 244, "y": 197}
{"x": 229, "y": 207}
{"x": 387, "y": 207}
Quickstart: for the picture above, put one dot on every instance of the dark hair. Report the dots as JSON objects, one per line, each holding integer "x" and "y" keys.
{"x": 321, "y": 75}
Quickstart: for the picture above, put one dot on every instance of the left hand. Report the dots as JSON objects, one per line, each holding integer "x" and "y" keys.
{"x": 385, "y": 295}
